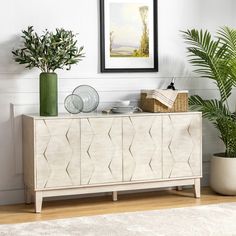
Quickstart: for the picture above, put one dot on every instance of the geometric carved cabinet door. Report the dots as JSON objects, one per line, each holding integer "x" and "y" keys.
{"x": 57, "y": 151}
{"x": 181, "y": 145}
{"x": 101, "y": 150}
{"x": 142, "y": 148}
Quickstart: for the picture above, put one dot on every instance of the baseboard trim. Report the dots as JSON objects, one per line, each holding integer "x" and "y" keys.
{"x": 13, "y": 196}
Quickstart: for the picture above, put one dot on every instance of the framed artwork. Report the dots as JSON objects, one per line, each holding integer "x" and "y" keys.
{"x": 128, "y": 35}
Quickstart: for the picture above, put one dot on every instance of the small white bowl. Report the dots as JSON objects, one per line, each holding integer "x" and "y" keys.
{"x": 123, "y": 103}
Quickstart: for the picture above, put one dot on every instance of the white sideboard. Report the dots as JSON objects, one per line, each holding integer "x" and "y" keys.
{"x": 91, "y": 153}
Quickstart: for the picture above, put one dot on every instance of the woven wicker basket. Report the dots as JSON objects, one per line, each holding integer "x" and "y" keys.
{"x": 153, "y": 105}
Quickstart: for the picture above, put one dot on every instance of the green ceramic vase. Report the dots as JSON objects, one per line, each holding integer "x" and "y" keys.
{"x": 48, "y": 94}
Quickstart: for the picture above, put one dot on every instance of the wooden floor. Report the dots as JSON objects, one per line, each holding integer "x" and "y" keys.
{"x": 104, "y": 205}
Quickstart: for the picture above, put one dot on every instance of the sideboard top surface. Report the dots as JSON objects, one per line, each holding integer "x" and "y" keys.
{"x": 102, "y": 115}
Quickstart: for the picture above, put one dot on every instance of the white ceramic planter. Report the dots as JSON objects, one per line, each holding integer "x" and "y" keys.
{"x": 223, "y": 175}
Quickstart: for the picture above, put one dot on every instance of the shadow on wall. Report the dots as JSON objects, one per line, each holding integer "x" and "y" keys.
{"x": 15, "y": 119}
{"x": 7, "y": 63}
{"x": 10, "y": 71}
{"x": 174, "y": 67}
{"x": 180, "y": 69}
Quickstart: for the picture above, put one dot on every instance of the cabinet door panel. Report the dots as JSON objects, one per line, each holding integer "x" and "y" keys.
{"x": 142, "y": 158}
{"x": 57, "y": 152}
{"x": 101, "y": 150}
{"x": 181, "y": 145}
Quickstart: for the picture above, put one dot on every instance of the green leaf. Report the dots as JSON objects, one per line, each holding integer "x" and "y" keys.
{"x": 49, "y": 51}
{"x": 209, "y": 56}
{"x": 215, "y": 59}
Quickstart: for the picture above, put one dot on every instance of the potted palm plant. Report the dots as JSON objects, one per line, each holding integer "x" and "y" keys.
{"x": 48, "y": 52}
{"x": 215, "y": 59}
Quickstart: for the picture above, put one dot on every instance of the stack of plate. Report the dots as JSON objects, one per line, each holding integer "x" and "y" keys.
{"x": 83, "y": 99}
{"x": 124, "y": 109}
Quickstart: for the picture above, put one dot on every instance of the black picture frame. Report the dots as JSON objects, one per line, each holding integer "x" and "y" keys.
{"x": 102, "y": 43}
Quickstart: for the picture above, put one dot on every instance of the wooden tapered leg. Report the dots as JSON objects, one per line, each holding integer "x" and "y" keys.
{"x": 38, "y": 202}
{"x": 197, "y": 188}
{"x": 114, "y": 196}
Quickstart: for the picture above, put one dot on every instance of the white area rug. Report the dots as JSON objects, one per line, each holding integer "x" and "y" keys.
{"x": 214, "y": 220}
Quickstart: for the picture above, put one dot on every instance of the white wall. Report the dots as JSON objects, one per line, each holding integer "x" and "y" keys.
{"x": 19, "y": 87}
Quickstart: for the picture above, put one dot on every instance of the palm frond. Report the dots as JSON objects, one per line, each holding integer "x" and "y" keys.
{"x": 208, "y": 56}
{"x": 211, "y": 109}
{"x": 216, "y": 60}
{"x": 228, "y": 37}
